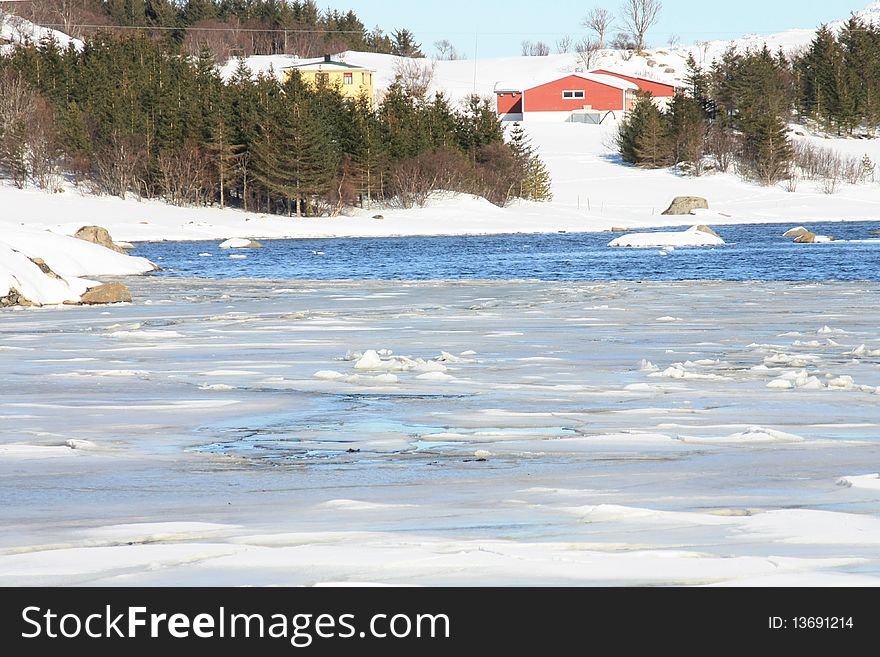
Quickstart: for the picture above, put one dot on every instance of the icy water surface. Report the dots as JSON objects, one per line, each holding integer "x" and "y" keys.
{"x": 242, "y": 432}
{"x": 757, "y": 252}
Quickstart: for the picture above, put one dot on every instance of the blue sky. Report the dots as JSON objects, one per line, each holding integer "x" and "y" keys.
{"x": 504, "y": 24}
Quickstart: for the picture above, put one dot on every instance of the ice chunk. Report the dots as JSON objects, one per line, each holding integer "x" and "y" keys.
{"x": 328, "y": 375}
{"x": 434, "y": 376}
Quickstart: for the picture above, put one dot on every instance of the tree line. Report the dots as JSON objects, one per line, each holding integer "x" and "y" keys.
{"x": 132, "y": 115}
{"x": 228, "y": 27}
{"x": 735, "y": 114}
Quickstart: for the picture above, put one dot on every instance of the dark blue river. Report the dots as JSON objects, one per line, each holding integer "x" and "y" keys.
{"x": 753, "y": 252}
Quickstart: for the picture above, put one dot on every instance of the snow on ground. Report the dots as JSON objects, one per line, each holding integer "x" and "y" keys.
{"x": 205, "y": 450}
{"x": 68, "y": 258}
{"x": 17, "y": 30}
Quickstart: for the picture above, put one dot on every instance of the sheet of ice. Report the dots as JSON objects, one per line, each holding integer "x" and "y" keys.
{"x": 691, "y": 237}
{"x": 871, "y": 481}
{"x": 231, "y": 443}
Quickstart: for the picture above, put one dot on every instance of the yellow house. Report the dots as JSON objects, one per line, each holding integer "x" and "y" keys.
{"x": 352, "y": 81}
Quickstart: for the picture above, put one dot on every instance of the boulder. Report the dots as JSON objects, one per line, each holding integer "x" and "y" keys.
{"x": 378, "y": 216}
{"x": 618, "y": 229}
{"x": 98, "y": 235}
{"x": 14, "y": 298}
{"x": 806, "y": 238}
{"x": 705, "y": 229}
{"x": 796, "y": 232}
{"x": 686, "y": 205}
{"x": 107, "y": 293}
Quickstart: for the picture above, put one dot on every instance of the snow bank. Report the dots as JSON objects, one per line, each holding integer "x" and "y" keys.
{"x": 18, "y": 272}
{"x": 690, "y": 237}
{"x": 68, "y": 258}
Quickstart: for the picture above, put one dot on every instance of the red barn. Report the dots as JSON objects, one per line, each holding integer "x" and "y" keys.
{"x": 656, "y": 89}
{"x": 561, "y": 98}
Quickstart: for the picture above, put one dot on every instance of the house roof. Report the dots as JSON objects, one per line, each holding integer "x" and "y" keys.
{"x": 607, "y": 80}
{"x": 634, "y": 77}
{"x": 324, "y": 65}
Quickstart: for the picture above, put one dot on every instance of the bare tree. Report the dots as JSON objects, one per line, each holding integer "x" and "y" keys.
{"x": 29, "y": 147}
{"x": 536, "y": 49}
{"x": 600, "y": 21}
{"x": 586, "y": 50}
{"x": 639, "y": 16}
{"x": 446, "y": 51}
{"x": 564, "y": 44}
{"x": 415, "y": 76}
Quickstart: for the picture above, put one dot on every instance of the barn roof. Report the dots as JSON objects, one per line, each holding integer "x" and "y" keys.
{"x": 607, "y": 80}
{"x": 611, "y": 72}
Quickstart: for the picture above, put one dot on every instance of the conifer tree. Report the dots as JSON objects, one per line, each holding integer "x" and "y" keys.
{"x": 404, "y": 44}
{"x": 534, "y": 179}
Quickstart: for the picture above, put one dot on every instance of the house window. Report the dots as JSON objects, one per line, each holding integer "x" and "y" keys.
{"x": 573, "y": 95}
{"x": 348, "y": 78}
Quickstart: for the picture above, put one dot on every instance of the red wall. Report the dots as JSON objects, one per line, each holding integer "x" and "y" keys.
{"x": 509, "y": 103}
{"x": 657, "y": 89}
{"x": 548, "y": 97}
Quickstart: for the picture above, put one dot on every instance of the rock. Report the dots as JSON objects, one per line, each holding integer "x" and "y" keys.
{"x": 686, "y": 205}
{"x": 705, "y": 229}
{"x": 806, "y": 238}
{"x": 39, "y": 262}
{"x": 240, "y": 243}
{"x": 126, "y": 246}
{"x": 14, "y": 298}
{"x": 97, "y": 235}
{"x": 107, "y": 293}
{"x": 618, "y": 229}
{"x": 378, "y": 216}
{"x": 874, "y": 232}
{"x": 669, "y": 69}
{"x": 796, "y": 232}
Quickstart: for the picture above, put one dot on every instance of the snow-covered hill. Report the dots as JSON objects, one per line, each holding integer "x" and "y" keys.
{"x": 15, "y": 31}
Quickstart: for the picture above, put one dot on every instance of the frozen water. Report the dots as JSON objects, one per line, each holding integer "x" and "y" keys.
{"x": 223, "y": 434}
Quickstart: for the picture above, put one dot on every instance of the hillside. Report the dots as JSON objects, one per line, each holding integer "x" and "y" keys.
{"x": 592, "y": 191}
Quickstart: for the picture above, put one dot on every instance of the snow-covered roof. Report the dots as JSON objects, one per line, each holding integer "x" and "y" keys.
{"x": 607, "y": 80}
{"x": 326, "y": 65}
{"x": 614, "y": 73}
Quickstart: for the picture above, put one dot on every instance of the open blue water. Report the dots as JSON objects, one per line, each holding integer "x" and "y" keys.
{"x": 753, "y": 252}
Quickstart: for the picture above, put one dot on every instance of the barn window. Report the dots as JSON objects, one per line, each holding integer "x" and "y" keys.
{"x": 348, "y": 78}
{"x": 571, "y": 95}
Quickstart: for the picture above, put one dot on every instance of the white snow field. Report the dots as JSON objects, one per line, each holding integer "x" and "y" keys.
{"x": 475, "y": 433}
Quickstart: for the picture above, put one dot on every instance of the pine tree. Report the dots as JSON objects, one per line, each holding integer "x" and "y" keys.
{"x": 643, "y": 138}
{"x": 478, "y": 125}
{"x": 770, "y": 149}
{"x": 404, "y": 44}
{"x": 688, "y": 127}
{"x": 534, "y": 179}
{"x": 367, "y": 149}
{"x": 653, "y": 144}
